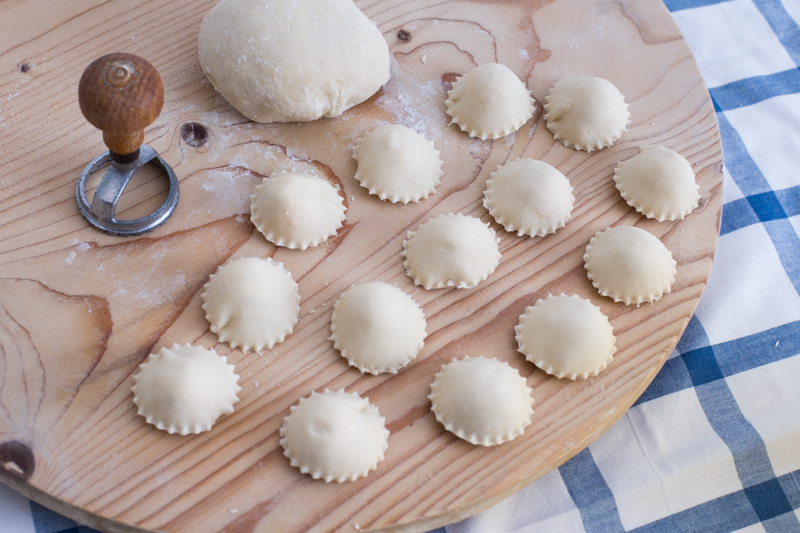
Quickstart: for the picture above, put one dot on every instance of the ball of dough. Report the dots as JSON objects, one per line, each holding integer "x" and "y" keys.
{"x": 292, "y": 60}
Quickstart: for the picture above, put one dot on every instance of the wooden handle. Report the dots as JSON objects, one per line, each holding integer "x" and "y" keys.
{"x": 121, "y": 94}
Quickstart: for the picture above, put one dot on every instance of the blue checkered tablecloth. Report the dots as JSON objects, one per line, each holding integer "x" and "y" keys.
{"x": 714, "y": 442}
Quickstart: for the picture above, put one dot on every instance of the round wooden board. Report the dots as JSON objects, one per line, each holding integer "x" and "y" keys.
{"x": 80, "y": 310}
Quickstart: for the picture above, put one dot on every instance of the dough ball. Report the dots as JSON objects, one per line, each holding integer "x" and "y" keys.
{"x": 292, "y": 60}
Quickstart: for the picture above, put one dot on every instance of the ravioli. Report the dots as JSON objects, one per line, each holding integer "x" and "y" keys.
{"x": 377, "y": 327}
{"x": 629, "y": 265}
{"x": 586, "y": 113}
{"x": 251, "y": 303}
{"x": 489, "y": 102}
{"x": 184, "y": 389}
{"x": 452, "y": 250}
{"x": 296, "y": 211}
{"x": 483, "y": 401}
{"x": 334, "y": 436}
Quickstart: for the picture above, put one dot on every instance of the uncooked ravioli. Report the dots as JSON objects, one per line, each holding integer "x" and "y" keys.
{"x": 377, "y": 327}
{"x": 483, "y": 401}
{"x": 489, "y": 102}
{"x": 566, "y": 336}
{"x": 398, "y": 164}
{"x": 529, "y": 197}
{"x": 185, "y": 389}
{"x": 452, "y": 250}
{"x": 334, "y": 435}
{"x": 251, "y": 303}
{"x": 659, "y": 183}
{"x": 586, "y": 113}
{"x": 297, "y": 211}
{"x": 630, "y": 265}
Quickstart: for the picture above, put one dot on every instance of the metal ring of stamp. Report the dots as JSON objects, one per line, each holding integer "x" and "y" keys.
{"x": 101, "y": 211}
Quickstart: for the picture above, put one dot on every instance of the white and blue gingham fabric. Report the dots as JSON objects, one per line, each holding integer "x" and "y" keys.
{"x": 713, "y": 445}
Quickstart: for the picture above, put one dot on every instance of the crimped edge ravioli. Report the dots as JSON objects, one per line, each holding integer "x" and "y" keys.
{"x": 629, "y": 265}
{"x": 659, "y": 183}
{"x": 529, "y": 197}
{"x": 377, "y": 327}
{"x": 297, "y": 211}
{"x": 489, "y": 102}
{"x": 451, "y": 250}
{"x": 184, "y": 389}
{"x": 251, "y": 303}
{"x": 566, "y": 336}
{"x": 483, "y": 401}
{"x": 334, "y": 436}
{"x": 586, "y": 113}
{"x": 397, "y": 164}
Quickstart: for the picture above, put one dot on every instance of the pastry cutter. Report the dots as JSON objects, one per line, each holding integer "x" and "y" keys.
{"x": 121, "y": 94}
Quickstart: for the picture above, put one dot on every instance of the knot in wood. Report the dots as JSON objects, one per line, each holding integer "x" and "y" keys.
{"x": 17, "y": 458}
{"x": 194, "y": 134}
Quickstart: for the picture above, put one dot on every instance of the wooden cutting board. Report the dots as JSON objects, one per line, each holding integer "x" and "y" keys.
{"x": 80, "y": 310}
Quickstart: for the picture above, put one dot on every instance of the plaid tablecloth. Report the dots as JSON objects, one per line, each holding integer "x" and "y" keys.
{"x": 714, "y": 442}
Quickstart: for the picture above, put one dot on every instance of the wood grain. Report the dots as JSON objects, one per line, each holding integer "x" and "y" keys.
{"x": 80, "y": 310}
